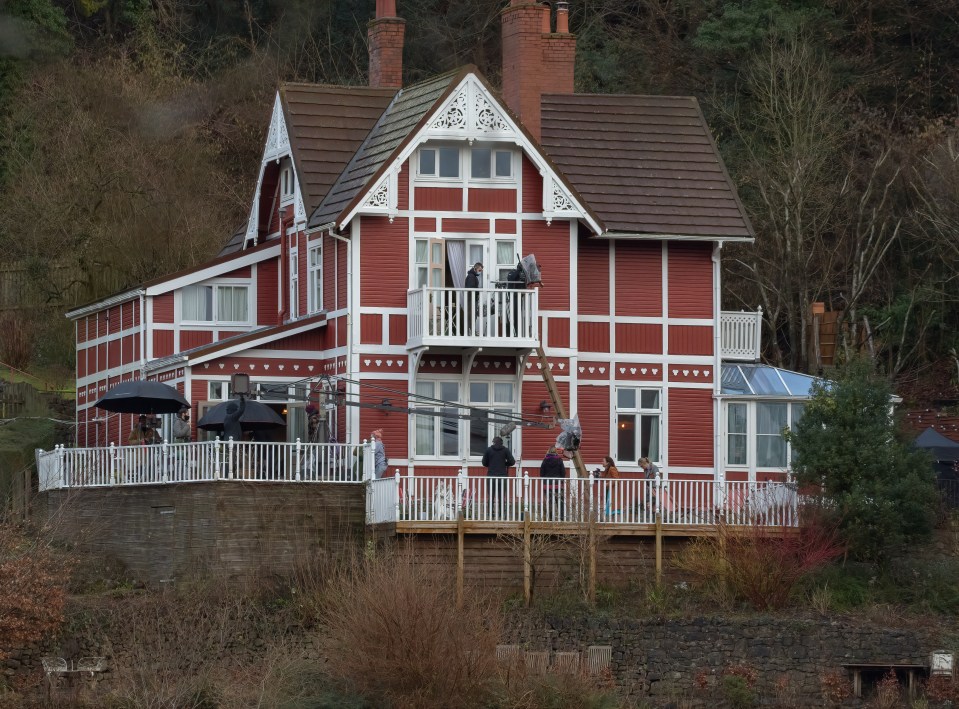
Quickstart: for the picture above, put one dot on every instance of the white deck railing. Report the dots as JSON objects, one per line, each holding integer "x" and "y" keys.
{"x": 413, "y": 498}
{"x": 195, "y": 462}
{"x": 464, "y": 316}
{"x": 741, "y": 335}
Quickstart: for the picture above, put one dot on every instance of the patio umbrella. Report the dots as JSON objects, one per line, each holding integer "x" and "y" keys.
{"x": 142, "y": 397}
{"x": 256, "y": 416}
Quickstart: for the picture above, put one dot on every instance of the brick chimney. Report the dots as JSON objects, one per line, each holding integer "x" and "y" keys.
{"x": 536, "y": 60}
{"x": 385, "y": 34}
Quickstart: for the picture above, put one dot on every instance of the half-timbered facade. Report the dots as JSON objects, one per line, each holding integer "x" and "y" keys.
{"x": 346, "y": 288}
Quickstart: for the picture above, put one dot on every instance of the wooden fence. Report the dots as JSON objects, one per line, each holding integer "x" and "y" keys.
{"x": 56, "y": 286}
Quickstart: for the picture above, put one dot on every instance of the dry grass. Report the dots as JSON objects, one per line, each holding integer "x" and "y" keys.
{"x": 396, "y": 636}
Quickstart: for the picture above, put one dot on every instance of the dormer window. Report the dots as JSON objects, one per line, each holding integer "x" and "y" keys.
{"x": 488, "y": 164}
{"x": 442, "y": 162}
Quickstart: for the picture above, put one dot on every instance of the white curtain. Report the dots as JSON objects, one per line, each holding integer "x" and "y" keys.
{"x": 456, "y": 256}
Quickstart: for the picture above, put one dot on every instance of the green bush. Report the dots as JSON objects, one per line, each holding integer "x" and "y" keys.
{"x": 737, "y": 692}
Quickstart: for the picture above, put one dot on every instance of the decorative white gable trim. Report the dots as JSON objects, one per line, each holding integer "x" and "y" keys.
{"x": 557, "y": 201}
{"x": 471, "y": 113}
{"x": 384, "y": 198}
{"x": 277, "y": 147}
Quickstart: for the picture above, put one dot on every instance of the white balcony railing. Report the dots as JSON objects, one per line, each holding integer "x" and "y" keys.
{"x": 472, "y": 317}
{"x": 196, "y": 462}
{"x": 741, "y": 335}
{"x": 573, "y": 501}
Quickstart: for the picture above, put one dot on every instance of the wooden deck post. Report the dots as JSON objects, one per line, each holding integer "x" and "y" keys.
{"x": 527, "y": 561}
{"x": 659, "y": 548}
{"x": 460, "y": 562}
{"x": 592, "y": 540}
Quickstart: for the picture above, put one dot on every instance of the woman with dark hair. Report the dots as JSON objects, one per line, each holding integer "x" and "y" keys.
{"x": 610, "y": 472}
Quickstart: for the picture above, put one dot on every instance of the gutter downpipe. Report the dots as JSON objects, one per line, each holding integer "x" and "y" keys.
{"x": 349, "y": 297}
{"x": 720, "y": 476}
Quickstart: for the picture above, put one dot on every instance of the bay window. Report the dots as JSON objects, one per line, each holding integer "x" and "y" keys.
{"x": 754, "y": 433}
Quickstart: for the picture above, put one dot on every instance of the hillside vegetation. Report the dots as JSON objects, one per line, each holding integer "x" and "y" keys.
{"x": 132, "y": 130}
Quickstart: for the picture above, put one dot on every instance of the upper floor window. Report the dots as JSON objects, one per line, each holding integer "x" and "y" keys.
{"x": 638, "y": 423}
{"x": 488, "y": 164}
{"x": 216, "y": 304}
{"x": 286, "y": 182}
{"x": 443, "y": 162}
{"x": 315, "y": 278}
{"x": 294, "y": 284}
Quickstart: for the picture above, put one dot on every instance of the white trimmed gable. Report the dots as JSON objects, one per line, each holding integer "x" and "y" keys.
{"x": 472, "y": 113}
{"x": 277, "y": 148}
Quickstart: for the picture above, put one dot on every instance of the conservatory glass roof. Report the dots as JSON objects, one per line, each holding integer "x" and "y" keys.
{"x": 763, "y": 380}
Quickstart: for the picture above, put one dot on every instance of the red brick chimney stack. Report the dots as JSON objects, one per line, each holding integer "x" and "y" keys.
{"x": 535, "y": 60}
{"x": 385, "y": 36}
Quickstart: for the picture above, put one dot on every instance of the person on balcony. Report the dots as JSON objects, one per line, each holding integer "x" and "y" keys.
{"x": 181, "y": 427}
{"x": 380, "y": 461}
{"x": 497, "y": 460}
{"x": 608, "y": 473}
{"x": 474, "y": 275}
{"x": 651, "y": 472}
{"x": 471, "y": 302}
{"x": 144, "y": 432}
{"x": 553, "y": 470}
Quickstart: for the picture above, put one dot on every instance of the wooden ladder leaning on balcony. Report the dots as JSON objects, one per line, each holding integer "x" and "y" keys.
{"x": 558, "y": 406}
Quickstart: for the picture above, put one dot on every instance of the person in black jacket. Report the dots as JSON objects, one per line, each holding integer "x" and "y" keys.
{"x": 497, "y": 460}
{"x": 473, "y": 275}
{"x": 553, "y": 470}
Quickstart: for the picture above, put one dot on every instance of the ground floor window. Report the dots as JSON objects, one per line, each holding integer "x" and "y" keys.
{"x": 498, "y": 398}
{"x": 638, "y": 423}
{"x": 754, "y": 432}
{"x": 437, "y": 434}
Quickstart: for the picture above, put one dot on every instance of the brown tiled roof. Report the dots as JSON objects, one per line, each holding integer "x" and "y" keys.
{"x": 327, "y": 124}
{"x": 644, "y": 164}
{"x": 396, "y": 125}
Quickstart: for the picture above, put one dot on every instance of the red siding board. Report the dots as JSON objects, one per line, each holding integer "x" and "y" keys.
{"x": 424, "y": 224}
{"x": 468, "y": 226}
{"x": 81, "y": 363}
{"x": 163, "y": 308}
{"x": 395, "y": 426}
{"x": 550, "y": 244}
{"x": 266, "y": 292}
{"x": 532, "y": 188}
{"x": 113, "y": 354}
{"x": 397, "y": 329}
{"x": 330, "y": 245}
{"x": 194, "y": 338}
{"x": 690, "y": 340}
{"x": 127, "y": 315}
{"x": 384, "y": 251}
{"x": 403, "y": 187}
{"x": 371, "y": 329}
{"x": 162, "y": 343}
{"x": 446, "y": 199}
{"x": 690, "y": 280}
{"x": 594, "y": 415}
{"x": 129, "y": 346}
{"x": 244, "y": 272}
{"x": 505, "y": 226}
{"x": 637, "y": 338}
{"x": 594, "y": 337}
{"x": 690, "y": 427}
{"x": 593, "y": 283}
{"x": 536, "y": 441}
{"x": 639, "y": 278}
{"x": 558, "y": 332}
{"x": 491, "y": 200}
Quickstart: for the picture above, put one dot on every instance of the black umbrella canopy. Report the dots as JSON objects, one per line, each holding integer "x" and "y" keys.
{"x": 942, "y": 448}
{"x": 142, "y": 397}
{"x": 256, "y": 416}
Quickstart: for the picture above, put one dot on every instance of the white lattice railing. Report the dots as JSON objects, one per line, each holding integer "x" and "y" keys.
{"x": 741, "y": 335}
{"x": 411, "y": 498}
{"x": 472, "y": 315}
{"x": 195, "y": 462}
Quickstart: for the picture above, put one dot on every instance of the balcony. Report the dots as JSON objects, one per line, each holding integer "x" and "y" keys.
{"x": 741, "y": 335}
{"x": 472, "y": 317}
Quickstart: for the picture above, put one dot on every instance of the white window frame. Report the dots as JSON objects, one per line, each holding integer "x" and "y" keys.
{"x": 219, "y": 390}
{"x": 437, "y": 426}
{"x": 752, "y": 434}
{"x": 294, "y": 293}
{"x": 494, "y": 150}
{"x": 435, "y": 175}
{"x": 492, "y": 429}
{"x": 287, "y": 184}
{"x": 314, "y": 266}
{"x": 638, "y": 411}
{"x": 214, "y": 319}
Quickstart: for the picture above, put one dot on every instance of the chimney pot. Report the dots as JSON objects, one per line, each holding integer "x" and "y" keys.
{"x": 562, "y": 17}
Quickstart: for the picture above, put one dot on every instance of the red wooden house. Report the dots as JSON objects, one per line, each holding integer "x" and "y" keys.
{"x": 345, "y": 290}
